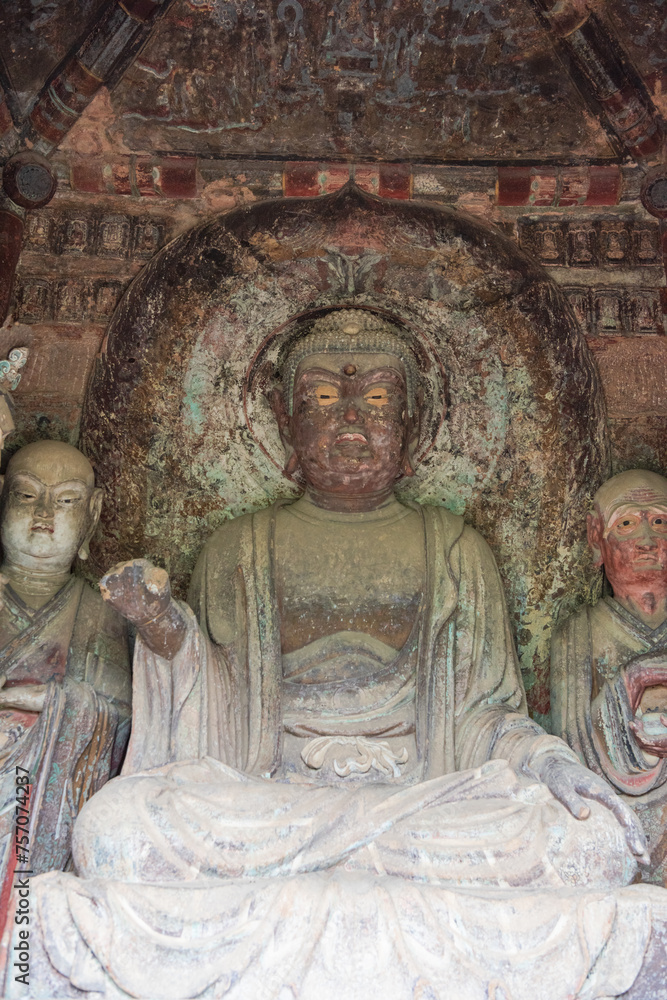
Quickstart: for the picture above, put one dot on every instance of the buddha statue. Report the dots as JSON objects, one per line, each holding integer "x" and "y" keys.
{"x": 609, "y": 661}
{"x": 64, "y": 661}
{"x": 333, "y": 787}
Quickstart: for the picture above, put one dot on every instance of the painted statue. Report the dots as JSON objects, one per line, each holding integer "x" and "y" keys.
{"x": 64, "y": 668}
{"x": 334, "y": 745}
{"x": 609, "y": 661}
{"x": 10, "y": 376}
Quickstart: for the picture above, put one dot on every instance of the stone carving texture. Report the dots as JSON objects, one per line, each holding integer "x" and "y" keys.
{"x": 634, "y": 386}
{"x": 76, "y": 300}
{"x": 179, "y": 428}
{"x": 312, "y": 80}
{"x": 93, "y": 233}
{"x": 602, "y": 243}
{"x": 609, "y": 310}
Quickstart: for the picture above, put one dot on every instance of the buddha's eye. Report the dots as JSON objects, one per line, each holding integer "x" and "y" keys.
{"x": 659, "y": 522}
{"x": 69, "y": 501}
{"x": 377, "y": 396}
{"x": 326, "y": 394}
{"x": 24, "y": 496}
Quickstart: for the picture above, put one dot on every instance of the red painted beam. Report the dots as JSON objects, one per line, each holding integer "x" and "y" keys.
{"x": 12, "y": 220}
{"x": 558, "y": 187}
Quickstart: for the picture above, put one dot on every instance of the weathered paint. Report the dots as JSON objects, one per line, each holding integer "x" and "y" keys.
{"x": 181, "y": 433}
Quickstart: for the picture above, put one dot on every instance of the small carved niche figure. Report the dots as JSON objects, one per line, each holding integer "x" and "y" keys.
{"x": 609, "y": 661}
{"x": 64, "y": 663}
{"x": 10, "y": 376}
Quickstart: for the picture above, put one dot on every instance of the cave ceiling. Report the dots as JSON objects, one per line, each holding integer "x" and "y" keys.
{"x": 35, "y": 36}
{"x": 431, "y": 80}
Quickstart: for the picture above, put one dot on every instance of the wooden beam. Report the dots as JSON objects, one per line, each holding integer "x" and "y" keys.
{"x": 105, "y": 54}
{"x": 605, "y": 76}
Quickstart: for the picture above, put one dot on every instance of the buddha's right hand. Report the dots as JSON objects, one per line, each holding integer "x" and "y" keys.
{"x": 140, "y": 592}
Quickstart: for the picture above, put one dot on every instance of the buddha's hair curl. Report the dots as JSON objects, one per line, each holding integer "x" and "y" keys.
{"x": 346, "y": 331}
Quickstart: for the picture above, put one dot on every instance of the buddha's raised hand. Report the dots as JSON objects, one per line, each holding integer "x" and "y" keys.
{"x": 140, "y": 592}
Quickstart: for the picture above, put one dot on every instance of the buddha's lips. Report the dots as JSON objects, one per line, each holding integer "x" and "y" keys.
{"x": 43, "y": 527}
{"x": 348, "y": 436}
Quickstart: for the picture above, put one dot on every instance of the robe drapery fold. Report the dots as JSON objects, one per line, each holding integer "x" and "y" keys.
{"x": 223, "y": 691}
{"x": 589, "y": 651}
{"x": 590, "y": 709}
{"x": 77, "y": 647}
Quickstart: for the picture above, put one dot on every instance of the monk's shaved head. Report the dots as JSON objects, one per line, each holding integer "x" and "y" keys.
{"x": 637, "y": 486}
{"x": 52, "y": 462}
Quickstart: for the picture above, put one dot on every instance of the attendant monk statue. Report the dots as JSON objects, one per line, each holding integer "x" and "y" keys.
{"x": 609, "y": 661}
{"x": 334, "y": 743}
{"x": 64, "y": 667}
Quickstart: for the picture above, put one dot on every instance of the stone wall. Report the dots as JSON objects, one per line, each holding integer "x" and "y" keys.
{"x": 112, "y": 212}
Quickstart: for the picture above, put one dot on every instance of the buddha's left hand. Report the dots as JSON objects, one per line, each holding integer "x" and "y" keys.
{"x": 572, "y": 783}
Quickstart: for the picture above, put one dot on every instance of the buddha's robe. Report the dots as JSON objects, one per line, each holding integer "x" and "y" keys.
{"x": 77, "y": 646}
{"x": 226, "y": 694}
{"x": 591, "y": 710}
{"x": 234, "y": 859}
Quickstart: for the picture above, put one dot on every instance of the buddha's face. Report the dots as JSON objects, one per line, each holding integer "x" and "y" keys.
{"x": 49, "y": 507}
{"x": 632, "y": 544}
{"x": 350, "y": 429}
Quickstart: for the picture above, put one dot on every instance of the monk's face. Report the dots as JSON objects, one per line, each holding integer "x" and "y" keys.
{"x": 49, "y": 508}
{"x": 350, "y": 429}
{"x": 632, "y": 544}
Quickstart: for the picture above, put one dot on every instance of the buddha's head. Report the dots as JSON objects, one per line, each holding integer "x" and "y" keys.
{"x": 348, "y": 408}
{"x": 49, "y": 508}
{"x": 627, "y": 530}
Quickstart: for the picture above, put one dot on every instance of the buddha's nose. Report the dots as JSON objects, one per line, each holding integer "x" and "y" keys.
{"x": 351, "y": 415}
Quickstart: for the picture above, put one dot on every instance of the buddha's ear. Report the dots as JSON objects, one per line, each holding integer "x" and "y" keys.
{"x": 94, "y": 510}
{"x": 409, "y": 462}
{"x": 595, "y": 530}
{"x": 277, "y": 401}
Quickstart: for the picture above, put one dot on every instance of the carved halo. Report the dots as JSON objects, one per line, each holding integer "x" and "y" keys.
{"x": 180, "y": 432}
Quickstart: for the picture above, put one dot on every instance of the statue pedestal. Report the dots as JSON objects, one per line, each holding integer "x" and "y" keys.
{"x": 341, "y": 934}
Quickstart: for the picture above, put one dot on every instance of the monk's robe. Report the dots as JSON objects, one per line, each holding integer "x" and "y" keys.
{"x": 77, "y": 646}
{"x": 591, "y": 710}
